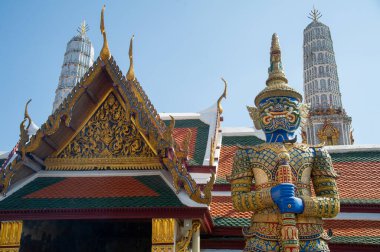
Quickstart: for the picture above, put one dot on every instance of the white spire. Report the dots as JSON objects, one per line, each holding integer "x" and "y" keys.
{"x": 79, "y": 57}
{"x": 327, "y": 122}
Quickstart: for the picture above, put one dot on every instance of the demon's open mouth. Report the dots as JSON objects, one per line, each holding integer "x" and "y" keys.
{"x": 283, "y": 114}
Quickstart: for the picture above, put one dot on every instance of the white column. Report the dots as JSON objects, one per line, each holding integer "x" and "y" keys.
{"x": 196, "y": 241}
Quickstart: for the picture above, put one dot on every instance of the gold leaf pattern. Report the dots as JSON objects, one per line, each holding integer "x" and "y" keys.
{"x": 109, "y": 133}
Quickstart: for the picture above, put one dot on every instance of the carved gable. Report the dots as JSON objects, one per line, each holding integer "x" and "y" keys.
{"x": 109, "y": 139}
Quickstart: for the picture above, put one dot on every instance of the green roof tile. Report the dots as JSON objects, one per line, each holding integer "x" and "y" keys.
{"x": 202, "y": 137}
{"x": 359, "y": 201}
{"x": 231, "y": 222}
{"x": 242, "y": 140}
{"x": 368, "y": 156}
{"x": 16, "y": 201}
{"x": 356, "y": 240}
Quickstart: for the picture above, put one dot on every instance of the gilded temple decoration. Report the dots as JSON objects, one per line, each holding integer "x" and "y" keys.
{"x": 105, "y": 53}
{"x": 10, "y": 236}
{"x": 224, "y": 95}
{"x": 183, "y": 244}
{"x": 131, "y": 70}
{"x": 328, "y": 133}
{"x": 175, "y": 161}
{"x": 214, "y": 138}
{"x": 24, "y": 136}
{"x": 108, "y": 139}
{"x": 132, "y": 138}
{"x": 163, "y": 235}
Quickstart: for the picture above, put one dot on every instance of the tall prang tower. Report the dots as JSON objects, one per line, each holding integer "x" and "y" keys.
{"x": 79, "y": 57}
{"x": 328, "y": 122}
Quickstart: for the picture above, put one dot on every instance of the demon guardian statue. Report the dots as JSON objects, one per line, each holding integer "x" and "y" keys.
{"x": 285, "y": 214}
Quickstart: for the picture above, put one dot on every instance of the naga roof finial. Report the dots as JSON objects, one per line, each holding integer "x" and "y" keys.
{"x": 105, "y": 53}
{"x": 315, "y": 14}
{"x": 83, "y": 28}
{"x": 131, "y": 70}
{"x": 26, "y": 114}
{"x": 224, "y": 95}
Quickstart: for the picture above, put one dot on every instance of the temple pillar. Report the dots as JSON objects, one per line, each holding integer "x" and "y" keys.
{"x": 163, "y": 235}
{"x": 196, "y": 244}
{"x": 10, "y": 236}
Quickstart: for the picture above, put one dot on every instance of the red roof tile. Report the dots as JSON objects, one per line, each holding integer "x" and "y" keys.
{"x": 180, "y": 134}
{"x": 353, "y": 227}
{"x": 94, "y": 187}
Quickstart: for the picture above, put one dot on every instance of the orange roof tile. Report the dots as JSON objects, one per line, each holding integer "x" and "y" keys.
{"x": 93, "y": 187}
{"x": 358, "y": 180}
{"x": 354, "y": 174}
{"x": 225, "y": 160}
{"x": 221, "y": 206}
{"x": 180, "y": 134}
{"x": 353, "y": 227}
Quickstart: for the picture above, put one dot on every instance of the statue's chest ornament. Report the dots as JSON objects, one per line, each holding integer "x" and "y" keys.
{"x": 271, "y": 156}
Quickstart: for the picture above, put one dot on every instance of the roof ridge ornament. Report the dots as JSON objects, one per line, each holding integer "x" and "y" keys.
{"x": 24, "y": 136}
{"x": 224, "y": 95}
{"x": 131, "y": 70}
{"x": 26, "y": 114}
{"x": 105, "y": 53}
{"x": 315, "y": 14}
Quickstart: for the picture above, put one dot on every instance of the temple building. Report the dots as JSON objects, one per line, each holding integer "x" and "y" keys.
{"x": 107, "y": 172}
{"x": 328, "y": 122}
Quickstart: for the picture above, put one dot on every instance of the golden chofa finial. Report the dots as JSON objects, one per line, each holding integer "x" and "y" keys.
{"x": 315, "y": 14}
{"x": 26, "y": 114}
{"x": 224, "y": 95}
{"x": 105, "y": 53}
{"x": 24, "y": 137}
{"x": 131, "y": 70}
{"x": 275, "y": 71}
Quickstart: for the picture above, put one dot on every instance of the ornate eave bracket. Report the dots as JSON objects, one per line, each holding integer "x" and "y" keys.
{"x": 175, "y": 161}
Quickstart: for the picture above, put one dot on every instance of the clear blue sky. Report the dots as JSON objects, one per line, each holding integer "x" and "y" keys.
{"x": 181, "y": 50}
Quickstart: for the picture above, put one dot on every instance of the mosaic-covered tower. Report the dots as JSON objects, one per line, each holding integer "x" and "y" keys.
{"x": 328, "y": 122}
{"x": 79, "y": 57}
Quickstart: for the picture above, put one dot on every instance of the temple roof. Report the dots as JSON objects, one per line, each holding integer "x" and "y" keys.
{"x": 86, "y": 192}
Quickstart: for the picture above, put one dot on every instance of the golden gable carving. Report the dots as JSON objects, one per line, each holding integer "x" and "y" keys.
{"x": 109, "y": 139}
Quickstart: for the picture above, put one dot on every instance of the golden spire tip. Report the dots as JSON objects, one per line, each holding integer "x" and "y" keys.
{"x": 275, "y": 42}
{"x": 275, "y": 71}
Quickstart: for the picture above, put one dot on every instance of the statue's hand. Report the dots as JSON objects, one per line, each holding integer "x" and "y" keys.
{"x": 284, "y": 190}
{"x": 291, "y": 205}
{"x": 284, "y": 197}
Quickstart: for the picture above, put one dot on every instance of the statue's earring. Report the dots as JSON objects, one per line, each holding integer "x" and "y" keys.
{"x": 255, "y": 116}
{"x": 304, "y": 112}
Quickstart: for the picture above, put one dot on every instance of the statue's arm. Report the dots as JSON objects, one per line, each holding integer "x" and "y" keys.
{"x": 326, "y": 204}
{"x": 241, "y": 182}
